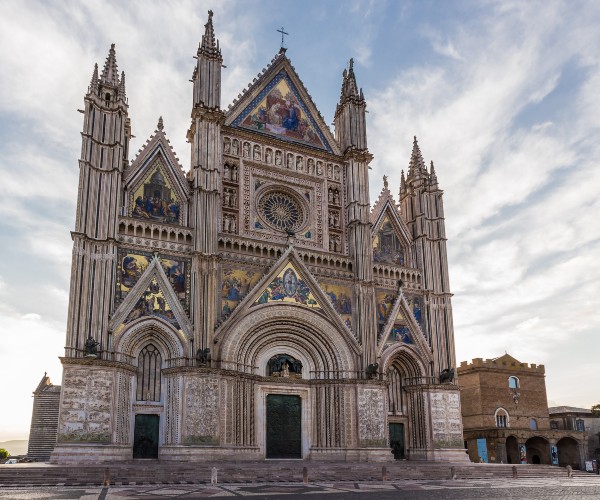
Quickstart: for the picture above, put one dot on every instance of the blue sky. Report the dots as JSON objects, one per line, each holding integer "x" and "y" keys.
{"x": 503, "y": 97}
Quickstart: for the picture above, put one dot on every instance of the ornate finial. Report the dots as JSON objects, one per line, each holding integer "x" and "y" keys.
{"x": 122, "y": 95}
{"x": 160, "y": 125}
{"x": 210, "y": 14}
{"x": 432, "y": 171}
{"x": 385, "y": 182}
{"x": 351, "y": 63}
{"x": 416, "y": 164}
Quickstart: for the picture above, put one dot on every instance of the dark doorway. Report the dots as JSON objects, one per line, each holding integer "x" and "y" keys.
{"x": 284, "y": 426}
{"x": 397, "y": 440}
{"x": 145, "y": 436}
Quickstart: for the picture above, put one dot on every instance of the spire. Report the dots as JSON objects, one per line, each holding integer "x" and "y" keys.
{"x": 110, "y": 72}
{"x": 94, "y": 83}
{"x": 349, "y": 87}
{"x": 122, "y": 94}
{"x": 208, "y": 46}
{"x": 160, "y": 124}
{"x": 416, "y": 165}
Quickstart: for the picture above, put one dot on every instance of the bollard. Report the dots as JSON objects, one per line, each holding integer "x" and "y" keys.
{"x": 213, "y": 476}
{"x": 453, "y": 473}
{"x": 304, "y": 475}
{"x": 515, "y": 473}
{"x": 569, "y": 471}
{"x": 384, "y": 476}
{"x": 106, "y": 477}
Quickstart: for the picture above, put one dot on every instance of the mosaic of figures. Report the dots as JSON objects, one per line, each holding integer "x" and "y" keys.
{"x": 278, "y": 111}
{"x": 288, "y": 287}
{"x": 386, "y": 245}
{"x": 153, "y": 303}
{"x": 235, "y": 285}
{"x": 385, "y": 303}
{"x": 155, "y": 198}
{"x": 400, "y": 331}
{"x": 341, "y": 300}
{"x": 133, "y": 264}
{"x": 256, "y": 152}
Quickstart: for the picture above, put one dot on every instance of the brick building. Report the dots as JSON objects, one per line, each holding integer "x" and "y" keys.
{"x": 581, "y": 419}
{"x": 505, "y": 415}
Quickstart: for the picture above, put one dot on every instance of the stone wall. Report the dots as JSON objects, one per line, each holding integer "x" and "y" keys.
{"x": 201, "y": 421}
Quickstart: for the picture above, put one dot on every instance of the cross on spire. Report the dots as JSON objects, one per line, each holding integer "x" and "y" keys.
{"x": 282, "y": 31}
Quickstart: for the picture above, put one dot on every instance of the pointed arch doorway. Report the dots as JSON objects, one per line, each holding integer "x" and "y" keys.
{"x": 284, "y": 426}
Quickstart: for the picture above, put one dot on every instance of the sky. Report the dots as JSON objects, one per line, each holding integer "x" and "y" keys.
{"x": 502, "y": 95}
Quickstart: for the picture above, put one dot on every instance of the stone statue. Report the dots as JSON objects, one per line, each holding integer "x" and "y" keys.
{"x": 446, "y": 375}
{"x": 225, "y": 224}
{"x": 91, "y": 347}
{"x": 246, "y": 150}
{"x": 290, "y": 160}
{"x": 203, "y": 356}
{"x": 232, "y": 224}
{"x": 385, "y": 182}
{"x": 233, "y": 199}
{"x": 257, "y": 152}
{"x": 336, "y": 197}
{"x": 234, "y": 174}
{"x": 286, "y": 370}
{"x": 299, "y": 164}
{"x": 269, "y": 156}
{"x": 226, "y": 172}
{"x": 319, "y": 168}
{"x": 336, "y": 173}
{"x": 227, "y": 147}
{"x": 226, "y": 197}
{"x": 330, "y": 195}
{"x": 336, "y": 219}
{"x": 234, "y": 147}
{"x": 277, "y": 157}
{"x": 329, "y": 170}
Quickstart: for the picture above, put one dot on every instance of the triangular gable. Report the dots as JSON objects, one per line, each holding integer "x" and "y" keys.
{"x": 390, "y": 236}
{"x": 289, "y": 281}
{"x": 156, "y": 184}
{"x": 278, "y": 105}
{"x": 340, "y": 297}
{"x": 152, "y": 296}
{"x": 402, "y": 327}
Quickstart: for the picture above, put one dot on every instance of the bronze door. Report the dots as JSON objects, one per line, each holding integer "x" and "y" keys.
{"x": 397, "y": 440}
{"x": 284, "y": 426}
{"x": 145, "y": 436}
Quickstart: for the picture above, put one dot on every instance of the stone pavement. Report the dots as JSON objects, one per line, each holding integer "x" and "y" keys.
{"x": 581, "y": 487}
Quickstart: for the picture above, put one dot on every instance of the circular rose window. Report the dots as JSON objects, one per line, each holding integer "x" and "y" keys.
{"x": 281, "y": 211}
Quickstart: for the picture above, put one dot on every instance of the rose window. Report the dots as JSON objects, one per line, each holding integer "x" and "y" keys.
{"x": 281, "y": 211}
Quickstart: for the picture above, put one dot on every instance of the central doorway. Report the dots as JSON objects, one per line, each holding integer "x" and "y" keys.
{"x": 145, "y": 436}
{"x": 284, "y": 426}
{"x": 397, "y": 440}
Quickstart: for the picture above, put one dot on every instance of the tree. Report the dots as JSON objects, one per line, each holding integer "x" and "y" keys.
{"x": 3, "y": 453}
{"x": 596, "y": 410}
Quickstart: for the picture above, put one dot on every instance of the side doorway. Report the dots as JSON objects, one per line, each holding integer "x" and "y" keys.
{"x": 397, "y": 440}
{"x": 145, "y": 436}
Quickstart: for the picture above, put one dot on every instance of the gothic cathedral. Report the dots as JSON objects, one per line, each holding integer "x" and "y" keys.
{"x": 258, "y": 304}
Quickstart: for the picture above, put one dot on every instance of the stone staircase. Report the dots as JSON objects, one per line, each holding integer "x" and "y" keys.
{"x": 154, "y": 472}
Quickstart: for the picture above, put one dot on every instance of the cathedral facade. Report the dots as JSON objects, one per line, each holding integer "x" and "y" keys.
{"x": 259, "y": 305}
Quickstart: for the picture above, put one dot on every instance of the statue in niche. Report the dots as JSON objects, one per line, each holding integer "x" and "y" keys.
{"x": 91, "y": 347}
{"x": 336, "y": 173}
{"x": 257, "y": 152}
{"x": 319, "y": 168}
{"x": 226, "y": 197}
{"x": 233, "y": 199}
{"x": 290, "y": 160}
{"x": 336, "y": 219}
{"x": 329, "y": 170}
{"x": 269, "y": 156}
{"x": 234, "y": 173}
{"x": 235, "y": 147}
{"x": 226, "y": 224}
{"x": 278, "y": 157}
{"x": 284, "y": 365}
{"x": 232, "y": 224}
{"x": 330, "y": 195}
{"x": 336, "y": 197}
{"x": 227, "y": 147}
{"x": 299, "y": 164}
{"x": 226, "y": 172}
{"x": 311, "y": 166}
{"x": 246, "y": 150}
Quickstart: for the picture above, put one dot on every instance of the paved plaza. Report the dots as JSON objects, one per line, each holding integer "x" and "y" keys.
{"x": 538, "y": 488}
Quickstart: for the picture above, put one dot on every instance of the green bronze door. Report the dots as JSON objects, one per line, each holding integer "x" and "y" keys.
{"x": 284, "y": 426}
{"x": 397, "y": 440}
{"x": 145, "y": 436}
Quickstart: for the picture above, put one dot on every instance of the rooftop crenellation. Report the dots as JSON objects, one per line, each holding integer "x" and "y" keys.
{"x": 503, "y": 362}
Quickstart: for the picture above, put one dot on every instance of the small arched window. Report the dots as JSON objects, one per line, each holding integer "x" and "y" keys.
{"x": 501, "y": 418}
{"x": 513, "y": 383}
{"x": 533, "y": 424}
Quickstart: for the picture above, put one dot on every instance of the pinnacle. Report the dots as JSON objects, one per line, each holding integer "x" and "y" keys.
{"x": 416, "y": 164}
{"x": 349, "y": 87}
{"x": 160, "y": 125}
{"x": 94, "y": 82}
{"x": 209, "y": 46}
{"x": 110, "y": 72}
{"x": 122, "y": 94}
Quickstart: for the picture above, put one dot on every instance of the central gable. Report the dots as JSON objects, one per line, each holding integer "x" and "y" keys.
{"x": 279, "y": 110}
